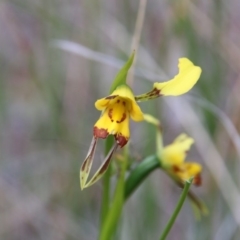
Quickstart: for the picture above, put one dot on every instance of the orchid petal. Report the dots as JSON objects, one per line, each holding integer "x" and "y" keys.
{"x": 183, "y": 82}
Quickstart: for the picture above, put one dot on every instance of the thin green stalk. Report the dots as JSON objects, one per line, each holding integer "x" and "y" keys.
{"x": 177, "y": 209}
{"x": 106, "y": 184}
{"x": 114, "y": 213}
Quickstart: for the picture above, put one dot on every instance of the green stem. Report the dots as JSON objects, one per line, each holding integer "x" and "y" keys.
{"x": 111, "y": 220}
{"x": 106, "y": 183}
{"x": 177, "y": 209}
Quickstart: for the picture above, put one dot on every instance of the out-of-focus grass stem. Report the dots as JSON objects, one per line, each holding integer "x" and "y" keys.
{"x": 136, "y": 37}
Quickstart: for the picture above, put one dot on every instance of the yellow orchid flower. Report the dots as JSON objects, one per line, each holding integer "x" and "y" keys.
{"x": 173, "y": 160}
{"x": 173, "y": 156}
{"x": 117, "y": 109}
{"x": 120, "y": 106}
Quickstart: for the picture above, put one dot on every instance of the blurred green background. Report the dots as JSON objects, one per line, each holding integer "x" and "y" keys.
{"x": 57, "y": 57}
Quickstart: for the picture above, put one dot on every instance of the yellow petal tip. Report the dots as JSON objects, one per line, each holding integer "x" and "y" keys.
{"x": 183, "y": 82}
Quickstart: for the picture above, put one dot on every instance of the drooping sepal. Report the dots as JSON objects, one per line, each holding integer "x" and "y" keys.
{"x": 121, "y": 76}
{"x": 87, "y": 164}
{"x": 103, "y": 168}
{"x": 183, "y": 82}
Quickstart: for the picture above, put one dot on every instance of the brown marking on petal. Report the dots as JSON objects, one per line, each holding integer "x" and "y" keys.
{"x": 84, "y": 165}
{"x": 111, "y": 97}
{"x": 105, "y": 166}
{"x": 90, "y": 154}
{"x": 197, "y": 180}
{"x": 100, "y": 133}
{"x": 110, "y": 114}
{"x": 150, "y": 95}
{"x": 123, "y": 118}
{"x": 124, "y": 103}
{"x": 176, "y": 168}
{"x": 154, "y": 92}
{"x": 121, "y": 140}
{"x": 118, "y": 101}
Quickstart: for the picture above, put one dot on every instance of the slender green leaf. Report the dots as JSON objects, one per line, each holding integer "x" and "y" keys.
{"x": 138, "y": 175}
{"x": 122, "y": 74}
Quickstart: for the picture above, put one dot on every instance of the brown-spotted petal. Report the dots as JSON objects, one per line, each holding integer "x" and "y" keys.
{"x": 103, "y": 168}
{"x": 87, "y": 164}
